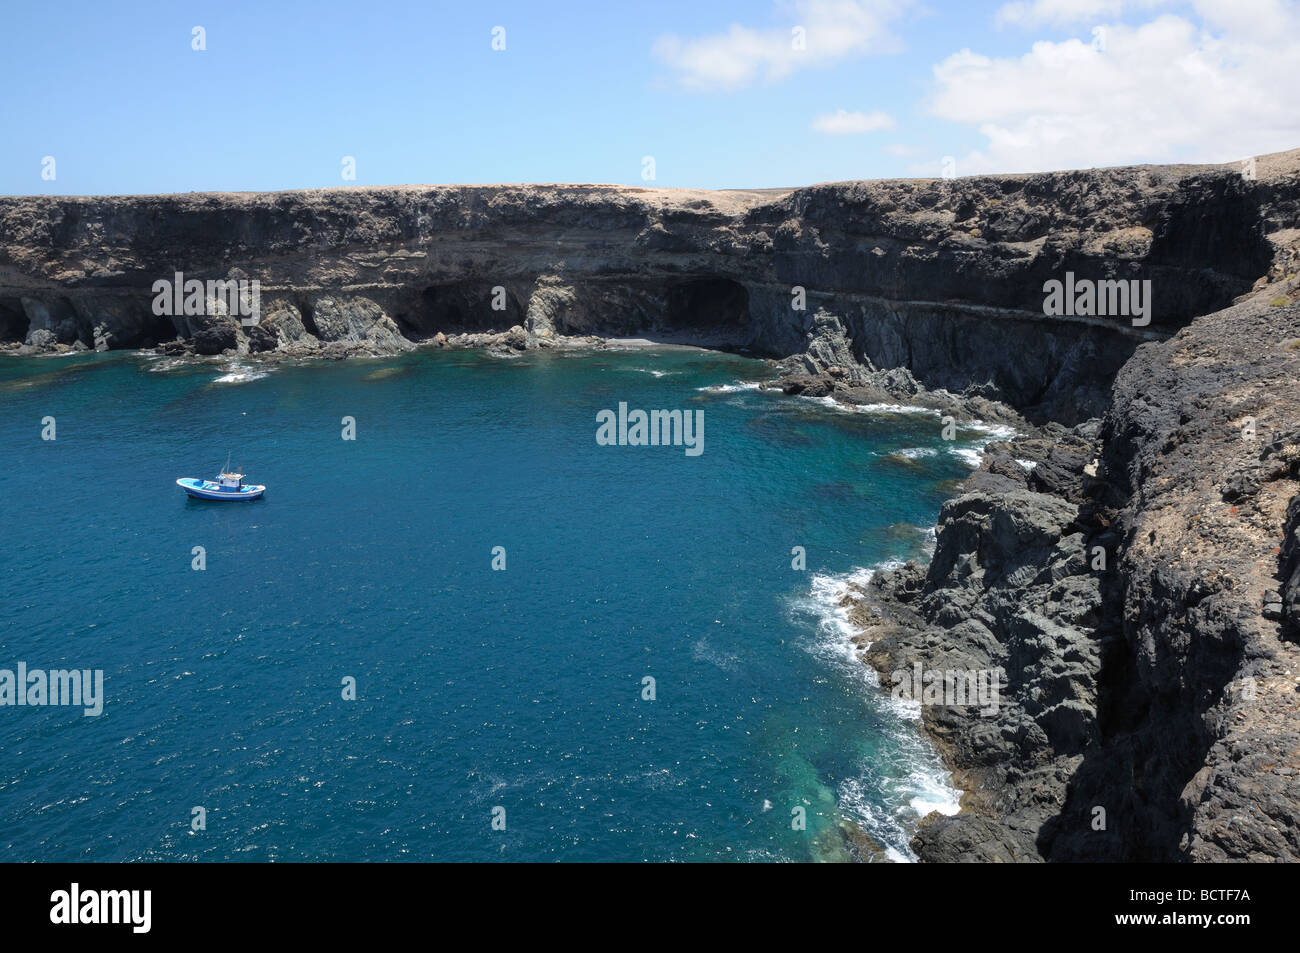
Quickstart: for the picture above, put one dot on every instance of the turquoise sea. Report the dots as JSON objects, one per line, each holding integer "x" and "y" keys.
{"x": 480, "y": 693}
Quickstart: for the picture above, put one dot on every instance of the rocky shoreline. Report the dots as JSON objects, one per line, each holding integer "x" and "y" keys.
{"x": 1130, "y": 560}
{"x": 1137, "y": 585}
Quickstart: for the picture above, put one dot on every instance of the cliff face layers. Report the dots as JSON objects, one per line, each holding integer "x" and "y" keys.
{"x": 943, "y": 277}
{"x": 1135, "y": 580}
{"x": 1143, "y": 609}
{"x": 1136, "y": 577}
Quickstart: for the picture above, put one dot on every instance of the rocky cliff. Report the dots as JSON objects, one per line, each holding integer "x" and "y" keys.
{"x": 1143, "y": 608}
{"x": 1130, "y": 564}
{"x": 1135, "y": 579}
{"x": 944, "y": 277}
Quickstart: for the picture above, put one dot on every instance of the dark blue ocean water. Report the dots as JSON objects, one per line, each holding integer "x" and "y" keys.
{"x": 477, "y": 689}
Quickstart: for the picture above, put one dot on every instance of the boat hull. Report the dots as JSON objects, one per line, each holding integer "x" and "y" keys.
{"x": 207, "y": 490}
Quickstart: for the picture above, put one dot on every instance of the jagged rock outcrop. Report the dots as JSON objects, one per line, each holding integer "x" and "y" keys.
{"x": 1143, "y": 608}
{"x": 1009, "y": 591}
{"x": 281, "y": 328}
{"x": 357, "y": 320}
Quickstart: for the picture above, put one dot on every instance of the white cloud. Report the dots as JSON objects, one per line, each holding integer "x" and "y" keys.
{"x": 832, "y": 30}
{"x": 844, "y": 123}
{"x": 1030, "y": 13}
{"x": 1167, "y": 91}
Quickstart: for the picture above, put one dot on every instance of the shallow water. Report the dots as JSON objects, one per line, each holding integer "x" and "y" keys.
{"x": 476, "y": 689}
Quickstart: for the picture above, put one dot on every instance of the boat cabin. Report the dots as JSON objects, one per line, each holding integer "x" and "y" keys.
{"x": 230, "y": 482}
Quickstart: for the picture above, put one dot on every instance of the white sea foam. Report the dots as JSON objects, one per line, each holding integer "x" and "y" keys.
{"x": 830, "y": 403}
{"x": 240, "y": 374}
{"x": 829, "y": 602}
{"x": 913, "y": 781}
{"x": 972, "y": 452}
{"x": 994, "y": 431}
{"x": 729, "y": 388}
{"x": 934, "y": 799}
{"x": 894, "y": 409}
{"x": 159, "y": 364}
{"x": 1027, "y": 464}
{"x": 915, "y": 453}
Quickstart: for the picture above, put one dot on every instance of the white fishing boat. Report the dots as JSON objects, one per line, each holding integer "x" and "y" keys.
{"x": 226, "y": 487}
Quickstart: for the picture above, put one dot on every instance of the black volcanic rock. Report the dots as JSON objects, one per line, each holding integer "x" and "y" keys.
{"x": 1145, "y": 615}
{"x": 971, "y": 839}
{"x": 213, "y": 334}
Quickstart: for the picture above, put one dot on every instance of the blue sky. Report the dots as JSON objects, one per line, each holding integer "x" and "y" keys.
{"x": 714, "y": 90}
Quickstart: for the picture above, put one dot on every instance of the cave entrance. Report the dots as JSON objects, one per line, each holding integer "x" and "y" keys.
{"x": 707, "y": 304}
{"x": 13, "y": 320}
{"x": 156, "y": 330}
{"x": 462, "y": 307}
